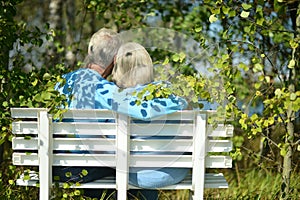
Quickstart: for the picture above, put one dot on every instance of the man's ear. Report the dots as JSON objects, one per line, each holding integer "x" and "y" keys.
{"x": 115, "y": 58}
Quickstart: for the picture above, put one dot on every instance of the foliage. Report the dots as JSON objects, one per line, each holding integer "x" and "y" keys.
{"x": 255, "y": 64}
{"x": 260, "y": 67}
{"x": 20, "y": 88}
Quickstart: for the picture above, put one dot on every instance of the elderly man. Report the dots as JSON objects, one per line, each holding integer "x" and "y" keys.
{"x": 87, "y": 88}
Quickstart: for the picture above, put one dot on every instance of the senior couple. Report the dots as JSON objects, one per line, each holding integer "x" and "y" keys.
{"x": 131, "y": 69}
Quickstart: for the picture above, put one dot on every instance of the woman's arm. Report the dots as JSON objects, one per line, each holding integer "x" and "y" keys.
{"x": 124, "y": 102}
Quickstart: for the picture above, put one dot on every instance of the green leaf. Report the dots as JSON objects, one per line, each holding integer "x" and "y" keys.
{"x": 5, "y": 104}
{"x": 84, "y": 172}
{"x": 66, "y": 185}
{"x": 46, "y": 76}
{"x": 197, "y": 30}
{"x": 34, "y": 83}
{"x": 271, "y": 120}
{"x": 175, "y": 57}
{"x": 232, "y": 13}
{"x": 247, "y": 29}
{"x": 254, "y": 117}
{"x": 294, "y": 44}
{"x": 257, "y": 85}
{"x": 56, "y": 178}
{"x": 138, "y": 102}
{"x": 225, "y": 10}
{"x": 260, "y": 21}
{"x": 283, "y": 151}
{"x": 182, "y": 56}
{"x": 292, "y": 64}
{"x": 37, "y": 97}
{"x": 216, "y": 11}
{"x": 140, "y": 95}
{"x": 46, "y": 95}
{"x": 151, "y": 14}
{"x": 149, "y": 97}
{"x": 213, "y": 18}
{"x": 258, "y": 67}
{"x": 245, "y": 14}
{"x": 166, "y": 61}
{"x": 77, "y": 192}
{"x": 266, "y": 123}
{"x": 244, "y": 66}
{"x": 293, "y": 96}
{"x": 278, "y": 92}
{"x": 68, "y": 174}
{"x": 246, "y": 6}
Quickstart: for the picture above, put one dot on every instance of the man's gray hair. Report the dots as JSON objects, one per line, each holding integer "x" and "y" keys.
{"x": 103, "y": 46}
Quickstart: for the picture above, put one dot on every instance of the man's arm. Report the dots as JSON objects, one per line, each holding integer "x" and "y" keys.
{"x": 86, "y": 89}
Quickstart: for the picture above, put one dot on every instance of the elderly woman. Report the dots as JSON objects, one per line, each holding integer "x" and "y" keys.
{"x": 133, "y": 67}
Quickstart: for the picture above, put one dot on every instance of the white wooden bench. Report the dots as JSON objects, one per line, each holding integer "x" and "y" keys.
{"x": 192, "y": 142}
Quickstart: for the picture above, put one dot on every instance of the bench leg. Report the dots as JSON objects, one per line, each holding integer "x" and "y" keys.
{"x": 45, "y": 160}
{"x": 199, "y": 157}
{"x": 123, "y": 152}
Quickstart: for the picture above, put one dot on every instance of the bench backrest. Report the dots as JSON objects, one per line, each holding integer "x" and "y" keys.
{"x": 104, "y": 138}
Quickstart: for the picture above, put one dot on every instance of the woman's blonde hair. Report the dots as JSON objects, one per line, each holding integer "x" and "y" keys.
{"x": 133, "y": 66}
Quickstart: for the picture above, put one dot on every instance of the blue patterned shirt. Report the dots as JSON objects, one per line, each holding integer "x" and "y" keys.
{"x": 86, "y": 89}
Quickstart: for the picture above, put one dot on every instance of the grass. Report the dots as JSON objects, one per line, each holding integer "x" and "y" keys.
{"x": 252, "y": 184}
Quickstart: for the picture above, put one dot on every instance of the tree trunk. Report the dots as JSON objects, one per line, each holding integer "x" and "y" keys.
{"x": 55, "y": 15}
{"x": 287, "y": 160}
{"x": 55, "y": 21}
{"x": 70, "y": 11}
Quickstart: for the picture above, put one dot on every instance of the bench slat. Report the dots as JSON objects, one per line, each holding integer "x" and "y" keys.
{"x": 222, "y": 130}
{"x": 179, "y": 115}
{"x": 67, "y": 144}
{"x": 103, "y": 113}
{"x": 81, "y": 128}
{"x": 26, "y": 127}
{"x": 178, "y": 145}
{"x": 184, "y": 161}
{"x": 109, "y": 129}
{"x": 70, "y": 128}
{"x": 162, "y": 129}
{"x": 211, "y": 181}
{"x": 25, "y": 112}
{"x": 108, "y": 144}
{"x": 64, "y": 159}
{"x": 161, "y": 145}
{"x": 89, "y": 114}
{"x": 219, "y": 146}
{"x": 61, "y": 159}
